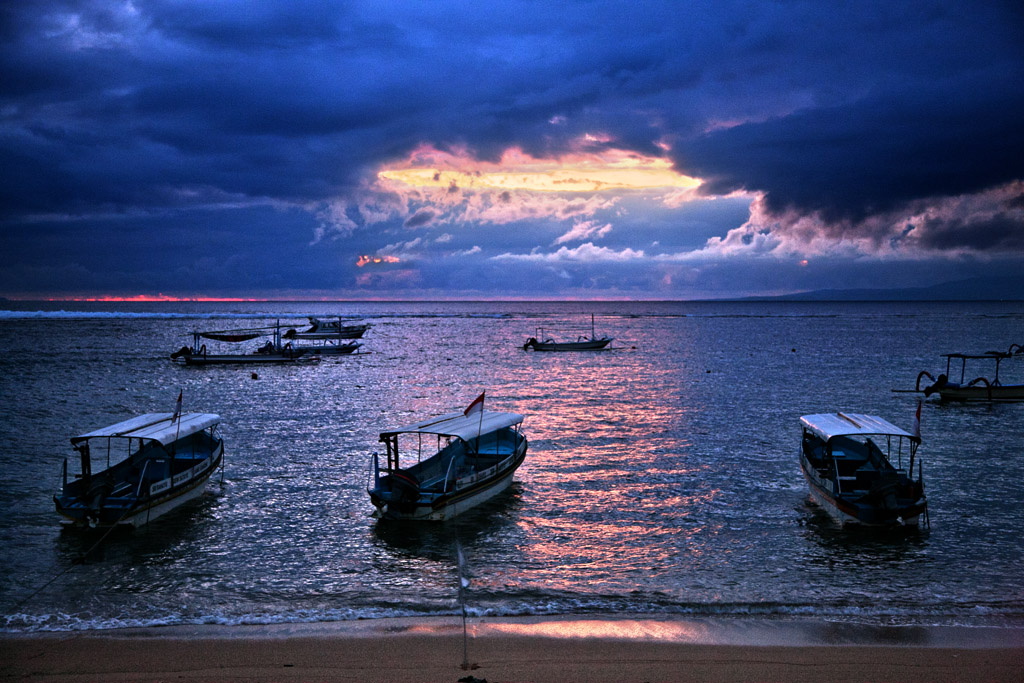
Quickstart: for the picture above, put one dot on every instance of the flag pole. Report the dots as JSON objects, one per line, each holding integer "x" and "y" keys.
{"x": 462, "y": 601}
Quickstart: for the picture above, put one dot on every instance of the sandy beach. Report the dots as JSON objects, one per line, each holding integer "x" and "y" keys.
{"x": 564, "y": 649}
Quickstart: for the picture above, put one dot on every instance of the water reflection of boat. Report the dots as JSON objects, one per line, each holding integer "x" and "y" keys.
{"x": 978, "y": 389}
{"x": 542, "y": 342}
{"x": 329, "y": 329}
{"x": 853, "y": 478}
{"x": 477, "y": 453}
{"x": 167, "y": 462}
{"x": 272, "y": 352}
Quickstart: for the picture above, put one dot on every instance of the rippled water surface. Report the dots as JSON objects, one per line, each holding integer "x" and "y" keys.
{"x": 662, "y": 476}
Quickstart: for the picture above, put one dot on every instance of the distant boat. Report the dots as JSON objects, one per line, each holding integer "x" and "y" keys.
{"x": 582, "y": 342}
{"x": 328, "y": 347}
{"x": 477, "y": 453}
{"x": 329, "y": 329}
{"x": 978, "y": 389}
{"x": 847, "y": 460}
{"x": 273, "y": 352}
{"x": 166, "y": 461}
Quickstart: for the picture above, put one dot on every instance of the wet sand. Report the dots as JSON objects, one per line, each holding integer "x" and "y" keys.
{"x": 528, "y": 649}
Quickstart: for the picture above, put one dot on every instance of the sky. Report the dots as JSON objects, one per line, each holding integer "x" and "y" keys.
{"x": 440, "y": 149}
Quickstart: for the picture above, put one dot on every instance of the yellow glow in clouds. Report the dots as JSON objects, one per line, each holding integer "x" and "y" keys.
{"x": 581, "y": 172}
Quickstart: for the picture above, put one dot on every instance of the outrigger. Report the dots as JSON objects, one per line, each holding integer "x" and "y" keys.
{"x": 542, "y": 342}
{"x": 273, "y": 352}
{"x": 977, "y": 389}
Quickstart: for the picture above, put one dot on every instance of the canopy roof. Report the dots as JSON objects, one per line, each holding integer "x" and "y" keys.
{"x": 460, "y": 425}
{"x": 828, "y": 425}
{"x": 155, "y": 427}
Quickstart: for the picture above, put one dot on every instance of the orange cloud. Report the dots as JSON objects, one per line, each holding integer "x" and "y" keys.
{"x": 366, "y": 260}
{"x": 585, "y": 170}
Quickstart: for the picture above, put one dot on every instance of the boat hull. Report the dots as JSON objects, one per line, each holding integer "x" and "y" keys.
{"x": 244, "y": 359}
{"x": 165, "y": 496}
{"x": 846, "y": 510}
{"x": 980, "y": 392}
{"x": 467, "y": 494}
{"x": 589, "y": 345}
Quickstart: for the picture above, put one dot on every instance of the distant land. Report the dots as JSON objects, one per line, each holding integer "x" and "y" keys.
{"x": 973, "y": 289}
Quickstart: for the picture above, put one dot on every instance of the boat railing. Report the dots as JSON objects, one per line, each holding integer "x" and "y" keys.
{"x": 448, "y": 481}
{"x": 142, "y": 478}
{"x": 373, "y": 473}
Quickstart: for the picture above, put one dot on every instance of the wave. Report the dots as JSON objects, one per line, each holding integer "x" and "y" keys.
{"x": 962, "y": 615}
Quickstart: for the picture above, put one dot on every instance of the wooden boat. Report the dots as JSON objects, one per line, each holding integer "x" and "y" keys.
{"x": 329, "y": 329}
{"x": 978, "y": 389}
{"x": 581, "y": 343}
{"x": 847, "y": 460}
{"x": 329, "y": 348}
{"x": 166, "y": 461}
{"x": 273, "y": 352}
{"x": 476, "y": 455}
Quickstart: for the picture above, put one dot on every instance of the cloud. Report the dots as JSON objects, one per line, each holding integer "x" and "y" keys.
{"x": 584, "y": 253}
{"x": 582, "y": 230}
{"x": 881, "y": 131}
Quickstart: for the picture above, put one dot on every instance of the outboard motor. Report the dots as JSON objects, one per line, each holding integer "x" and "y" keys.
{"x": 939, "y": 384}
{"x": 884, "y": 490}
{"x": 403, "y": 486}
{"x": 183, "y": 352}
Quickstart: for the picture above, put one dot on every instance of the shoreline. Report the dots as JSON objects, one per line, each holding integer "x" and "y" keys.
{"x": 563, "y": 648}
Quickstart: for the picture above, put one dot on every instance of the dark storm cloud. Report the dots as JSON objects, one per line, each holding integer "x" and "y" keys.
{"x": 876, "y": 154}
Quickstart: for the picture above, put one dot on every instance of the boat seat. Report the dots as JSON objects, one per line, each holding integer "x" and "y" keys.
{"x": 122, "y": 488}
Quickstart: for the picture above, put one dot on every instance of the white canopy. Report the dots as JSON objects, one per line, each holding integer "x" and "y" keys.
{"x": 155, "y": 427}
{"x": 828, "y": 425}
{"x": 460, "y": 425}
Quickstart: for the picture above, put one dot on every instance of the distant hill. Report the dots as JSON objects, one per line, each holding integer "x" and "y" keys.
{"x": 973, "y": 289}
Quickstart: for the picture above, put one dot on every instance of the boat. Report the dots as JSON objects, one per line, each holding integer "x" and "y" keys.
{"x": 273, "y": 352}
{"x": 541, "y": 342}
{"x": 477, "y": 453}
{"x": 978, "y": 389}
{"x": 167, "y": 458}
{"x": 329, "y": 347}
{"x": 329, "y": 329}
{"x": 847, "y": 460}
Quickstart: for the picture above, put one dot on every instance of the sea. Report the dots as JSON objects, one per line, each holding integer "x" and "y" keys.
{"x": 662, "y": 475}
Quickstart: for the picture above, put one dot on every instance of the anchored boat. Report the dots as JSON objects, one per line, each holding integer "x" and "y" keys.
{"x": 847, "y": 460}
{"x": 154, "y": 463}
{"x": 542, "y": 342}
{"x": 329, "y": 329}
{"x": 978, "y": 389}
{"x": 273, "y": 352}
{"x": 471, "y": 456}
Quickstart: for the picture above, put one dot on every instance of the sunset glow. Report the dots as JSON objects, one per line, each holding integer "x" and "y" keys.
{"x": 366, "y": 260}
{"x": 608, "y": 169}
{"x": 148, "y": 298}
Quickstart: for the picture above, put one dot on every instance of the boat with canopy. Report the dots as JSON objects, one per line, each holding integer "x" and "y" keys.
{"x": 440, "y": 467}
{"x": 848, "y": 462}
{"x": 329, "y": 329}
{"x": 153, "y": 464}
{"x": 980, "y": 388}
{"x": 543, "y": 342}
{"x": 272, "y": 352}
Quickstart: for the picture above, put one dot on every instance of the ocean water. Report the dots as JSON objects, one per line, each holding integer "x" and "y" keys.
{"x": 662, "y": 476}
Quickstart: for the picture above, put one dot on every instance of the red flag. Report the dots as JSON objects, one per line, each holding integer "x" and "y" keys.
{"x": 477, "y": 406}
{"x": 177, "y": 408}
{"x": 917, "y": 422}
